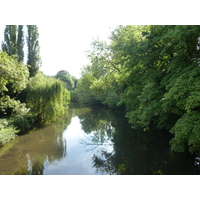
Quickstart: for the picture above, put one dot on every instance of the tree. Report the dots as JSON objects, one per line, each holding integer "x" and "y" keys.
{"x": 182, "y": 87}
{"x": 105, "y": 71}
{"x": 13, "y": 79}
{"x": 10, "y": 40}
{"x": 33, "y": 60}
{"x": 69, "y": 80}
{"x": 20, "y": 43}
{"x": 163, "y": 80}
{"x": 46, "y": 97}
{"x": 14, "y": 41}
{"x": 154, "y": 72}
{"x": 83, "y": 94}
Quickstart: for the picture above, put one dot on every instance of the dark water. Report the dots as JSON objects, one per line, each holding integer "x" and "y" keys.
{"x": 94, "y": 142}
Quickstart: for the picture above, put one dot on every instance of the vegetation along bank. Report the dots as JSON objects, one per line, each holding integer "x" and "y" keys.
{"x": 152, "y": 72}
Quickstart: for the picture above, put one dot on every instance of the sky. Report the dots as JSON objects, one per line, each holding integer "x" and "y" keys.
{"x": 63, "y": 47}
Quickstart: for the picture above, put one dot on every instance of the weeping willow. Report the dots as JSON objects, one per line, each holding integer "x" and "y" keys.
{"x": 47, "y": 98}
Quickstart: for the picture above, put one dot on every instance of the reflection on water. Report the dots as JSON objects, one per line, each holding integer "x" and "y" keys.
{"x": 94, "y": 141}
{"x": 31, "y": 151}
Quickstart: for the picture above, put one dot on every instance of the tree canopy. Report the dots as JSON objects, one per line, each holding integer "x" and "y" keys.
{"x": 46, "y": 97}
{"x": 13, "y": 79}
{"x": 69, "y": 80}
{"x": 153, "y": 72}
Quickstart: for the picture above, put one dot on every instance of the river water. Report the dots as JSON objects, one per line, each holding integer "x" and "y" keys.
{"x": 94, "y": 141}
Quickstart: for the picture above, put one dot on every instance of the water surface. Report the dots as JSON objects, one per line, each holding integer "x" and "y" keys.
{"x": 96, "y": 141}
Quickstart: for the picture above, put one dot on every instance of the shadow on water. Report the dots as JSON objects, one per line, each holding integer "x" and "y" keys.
{"x": 113, "y": 147}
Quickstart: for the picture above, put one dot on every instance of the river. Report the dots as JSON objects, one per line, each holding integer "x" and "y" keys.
{"x": 94, "y": 141}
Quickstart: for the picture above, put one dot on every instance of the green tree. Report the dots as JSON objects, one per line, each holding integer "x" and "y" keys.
{"x": 163, "y": 81}
{"x": 20, "y": 43}
{"x": 13, "y": 79}
{"x": 83, "y": 94}
{"x": 69, "y": 80}
{"x": 154, "y": 72}
{"x": 10, "y": 40}
{"x": 46, "y": 97}
{"x": 34, "y": 60}
{"x": 182, "y": 86}
{"x": 14, "y": 41}
{"x": 105, "y": 72}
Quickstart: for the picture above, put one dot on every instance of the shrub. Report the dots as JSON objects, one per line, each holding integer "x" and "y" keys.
{"x": 7, "y": 131}
{"x": 20, "y": 122}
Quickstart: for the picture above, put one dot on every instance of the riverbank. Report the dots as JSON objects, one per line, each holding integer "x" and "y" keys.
{"x": 13, "y": 126}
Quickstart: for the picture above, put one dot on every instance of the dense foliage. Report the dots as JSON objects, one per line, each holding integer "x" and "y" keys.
{"x": 152, "y": 71}
{"x": 47, "y": 97}
{"x": 13, "y": 79}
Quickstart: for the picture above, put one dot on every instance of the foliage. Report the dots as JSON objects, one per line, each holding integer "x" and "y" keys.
{"x": 21, "y": 122}
{"x": 20, "y": 43}
{"x": 10, "y": 40}
{"x": 14, "y": 41}
{"x": 7, "y": 131}
{"x": 46, "y": 97}
{"x": 153, "y": 71}
{"x": 163, "y": 76}
{"x": 186, "y": 132}
{"x": 13, "y": 79}
{"x": 82, "y": 93}
{"x": 69, "y": 80}
{"x": 100, "y": 79}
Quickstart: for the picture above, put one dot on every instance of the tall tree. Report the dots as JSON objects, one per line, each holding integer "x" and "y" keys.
{"x": 20, "y": 43}
{"x": 10, "y": 40}
{"x": 33, "y": 60}
{"x": 14, "y": 41}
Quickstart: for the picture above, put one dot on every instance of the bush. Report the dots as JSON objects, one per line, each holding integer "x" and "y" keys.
{"x": 47, "y": 98}
{"x": 7, "y": 131}
{"x": 20, "y": 122}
